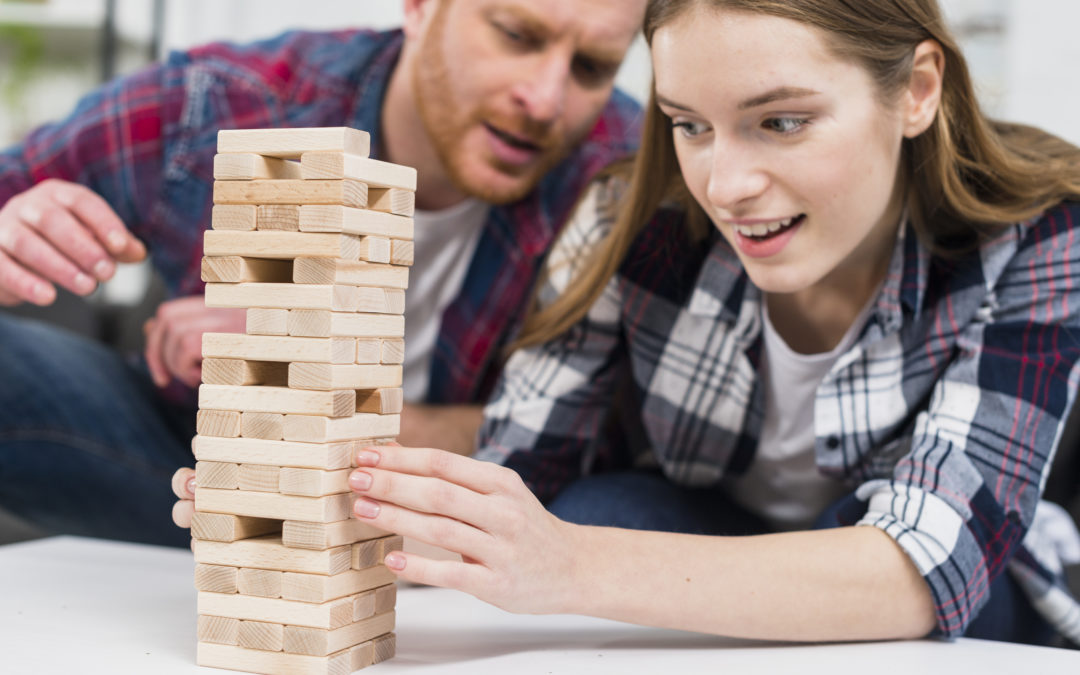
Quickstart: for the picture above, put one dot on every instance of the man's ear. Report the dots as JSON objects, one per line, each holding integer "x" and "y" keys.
{"x": 417, "y": 15}
{"x": 922, "y": 97}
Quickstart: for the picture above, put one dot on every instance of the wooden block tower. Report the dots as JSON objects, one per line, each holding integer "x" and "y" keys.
{"x": 314, "y": 239}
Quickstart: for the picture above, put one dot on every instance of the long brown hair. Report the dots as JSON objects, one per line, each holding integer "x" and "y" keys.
{"x": 968, "y": 176}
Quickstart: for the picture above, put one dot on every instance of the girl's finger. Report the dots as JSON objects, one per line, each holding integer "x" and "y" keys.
{"x": 440, "y": 531}
{"x": 483, "y": 477}
{"x": 427, "y": 495}
{"x": 462, "y": 576}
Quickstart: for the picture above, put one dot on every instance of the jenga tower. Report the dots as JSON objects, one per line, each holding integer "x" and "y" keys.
{"x": 317, "y": 251}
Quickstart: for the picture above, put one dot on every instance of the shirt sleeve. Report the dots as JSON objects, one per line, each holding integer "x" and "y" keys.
{"x": 961, "y": 500}
{"x": 550, "y": 400}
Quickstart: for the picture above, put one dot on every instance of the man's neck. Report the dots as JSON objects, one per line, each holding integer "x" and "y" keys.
{"x": 406, "y": 141}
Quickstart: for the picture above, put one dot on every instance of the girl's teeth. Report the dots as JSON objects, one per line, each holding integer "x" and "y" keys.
{"x": 762, "y": 229}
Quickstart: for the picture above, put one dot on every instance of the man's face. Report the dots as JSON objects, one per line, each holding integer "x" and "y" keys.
{"x": 506, "y": 88}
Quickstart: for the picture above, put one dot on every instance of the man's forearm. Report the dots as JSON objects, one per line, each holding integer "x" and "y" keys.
{"x": 447, "y": 427}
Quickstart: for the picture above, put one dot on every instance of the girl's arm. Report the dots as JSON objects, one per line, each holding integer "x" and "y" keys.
{"x": 847, "y": 584}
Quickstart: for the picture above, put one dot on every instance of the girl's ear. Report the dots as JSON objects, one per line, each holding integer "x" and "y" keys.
{"x": 417, "y": 13}
{"x": 922, "y": 97}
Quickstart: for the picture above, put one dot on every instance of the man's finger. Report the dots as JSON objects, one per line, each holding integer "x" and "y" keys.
{"x": 70, "y": 237}
{"x": 154, "y": 357}
{"x": 23, "y": 285}
{"x": 96, "y": 213}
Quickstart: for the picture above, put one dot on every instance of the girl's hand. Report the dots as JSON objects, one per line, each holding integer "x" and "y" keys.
{"x": 515, "y": 555}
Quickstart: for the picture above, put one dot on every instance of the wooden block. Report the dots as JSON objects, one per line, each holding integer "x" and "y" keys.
{"x": 273, "y": 663}
{"x": 314, "y": 323}
{"x": 391, "y": 200}
{"x": 269, "y": 426}
{"x": 218, "y": 475}
{"x": 363, "y": 605}
{"x": 368, "y": 553}
{"x": 260, "y": 583}
{"x": 261, "y": 635}
{"x": 216, "y": 578}
{"x": 270, "y": 505}
{"x": 278, "y": 349}
{"x": 321, "y": 588}
{"x": 380, "y": 401}
{"x": 395, "y": 302}
{"x": 327, "y": 615}
{"x": 323, "y": 165}
{"x": 385, "y": 599}
{"x": 260, "y": 477}
{"x": 268, "y": 553}
{"x": 237, "y": 269}
{"x": 350, "y": 272}
{"x": 312, "y": 429}
{"x": 219, "y": 630}
{"x": 401, "y": 252}
{"x": 237, "y": 217}
{"x": 384, "y": 647}
{"x": 253, "y": 451}
{"x": 290, "y": 296}
{"x": 266, "y": 321}
{"x": 312, "y": 482}
{"x": 393, "y": 351}
{"x": 241, "y": 372}
{"x": 321, "y": 536}
{"x": 224, "y": 527}
{"x": 285, "y": 217}
{"x": 277, "y": 400}
{"x": 248, "y": 166}
{"x": 344, "y": 192}
{"x": 325, "y": 376}
{"x": 324, "y": 218}
{"x": 318, "y": 642}
{"x": 281, "y": 245}
{"x": 363, "y": 654}
{"x": 224, "y": 423}
{"x": 293, "y": 143}
{"x": 369, "y": 351}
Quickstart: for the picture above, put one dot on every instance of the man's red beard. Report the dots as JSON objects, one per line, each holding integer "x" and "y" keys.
{"x": 447, "y": 127}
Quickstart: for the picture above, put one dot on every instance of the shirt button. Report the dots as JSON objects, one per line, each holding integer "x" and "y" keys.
{"x": 832, "y": 442}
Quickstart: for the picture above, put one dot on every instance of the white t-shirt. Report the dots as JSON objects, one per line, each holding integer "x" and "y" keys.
{"x": 783, "y": 485}
{"x": 444, "y": 244}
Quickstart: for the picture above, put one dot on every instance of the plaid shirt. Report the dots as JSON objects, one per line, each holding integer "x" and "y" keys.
{"x": 146, "y": 143}
{"x": 943, "y": 416}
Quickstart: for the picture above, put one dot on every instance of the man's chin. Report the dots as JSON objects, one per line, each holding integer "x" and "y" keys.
{"x": 496, "y": 186}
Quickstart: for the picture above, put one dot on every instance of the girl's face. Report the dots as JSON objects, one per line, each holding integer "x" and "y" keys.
{"x": 786, "y": 147}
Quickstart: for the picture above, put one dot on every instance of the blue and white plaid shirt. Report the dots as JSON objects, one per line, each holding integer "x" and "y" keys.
{"x": 943, "y": 417}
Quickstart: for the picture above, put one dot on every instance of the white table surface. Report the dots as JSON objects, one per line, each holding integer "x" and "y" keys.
{"x": 70, "y": 605}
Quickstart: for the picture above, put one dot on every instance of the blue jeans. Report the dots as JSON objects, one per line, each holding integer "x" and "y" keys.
{"x": 87, "y": 443}
{"x": 640, "y": 500}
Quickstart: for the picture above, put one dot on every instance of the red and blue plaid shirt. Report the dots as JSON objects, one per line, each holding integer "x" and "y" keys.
{"x": 146, "y": 144}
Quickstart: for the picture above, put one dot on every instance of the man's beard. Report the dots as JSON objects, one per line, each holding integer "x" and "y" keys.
{"x": 447, "y": 125}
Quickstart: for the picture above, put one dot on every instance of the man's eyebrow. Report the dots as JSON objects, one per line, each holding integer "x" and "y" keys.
{"x": 778, "y": 94}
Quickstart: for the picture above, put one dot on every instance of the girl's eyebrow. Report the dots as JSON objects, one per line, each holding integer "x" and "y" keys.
{"x": 778, "y": 94}
{"x": 771, "y": 96}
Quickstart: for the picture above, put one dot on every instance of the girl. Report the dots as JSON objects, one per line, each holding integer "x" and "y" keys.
{"x": 828, "y": 278}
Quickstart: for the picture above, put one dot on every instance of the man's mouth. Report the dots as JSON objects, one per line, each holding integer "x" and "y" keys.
{"x": 512, "y": 140}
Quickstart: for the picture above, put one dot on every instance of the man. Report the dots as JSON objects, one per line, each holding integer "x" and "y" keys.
{"x": 503, "y": 106}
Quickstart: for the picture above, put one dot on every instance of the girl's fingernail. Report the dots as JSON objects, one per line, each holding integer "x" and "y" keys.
{"x": 367, "y": 457}
{"x": 359, "y": 480}
{"x": 395, "y": 561}
{"x": 365, "y": 508}
{"x": 191, "y": 486}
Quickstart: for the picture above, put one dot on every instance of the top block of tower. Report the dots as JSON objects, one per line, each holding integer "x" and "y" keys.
{"x": 292, "y": 143}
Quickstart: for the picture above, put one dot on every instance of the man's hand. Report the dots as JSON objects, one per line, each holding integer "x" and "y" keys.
{"x": 59, "y": 233}
{"x": 174, "y": 337}
{"x": 451, "y": 427}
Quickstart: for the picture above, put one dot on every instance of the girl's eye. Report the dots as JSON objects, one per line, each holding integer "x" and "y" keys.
{"x": 689, "y": 129}
{"x": 785, "y": 125}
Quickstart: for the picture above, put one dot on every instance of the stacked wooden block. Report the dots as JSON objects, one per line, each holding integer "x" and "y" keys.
{"x": 314, "y": 239}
